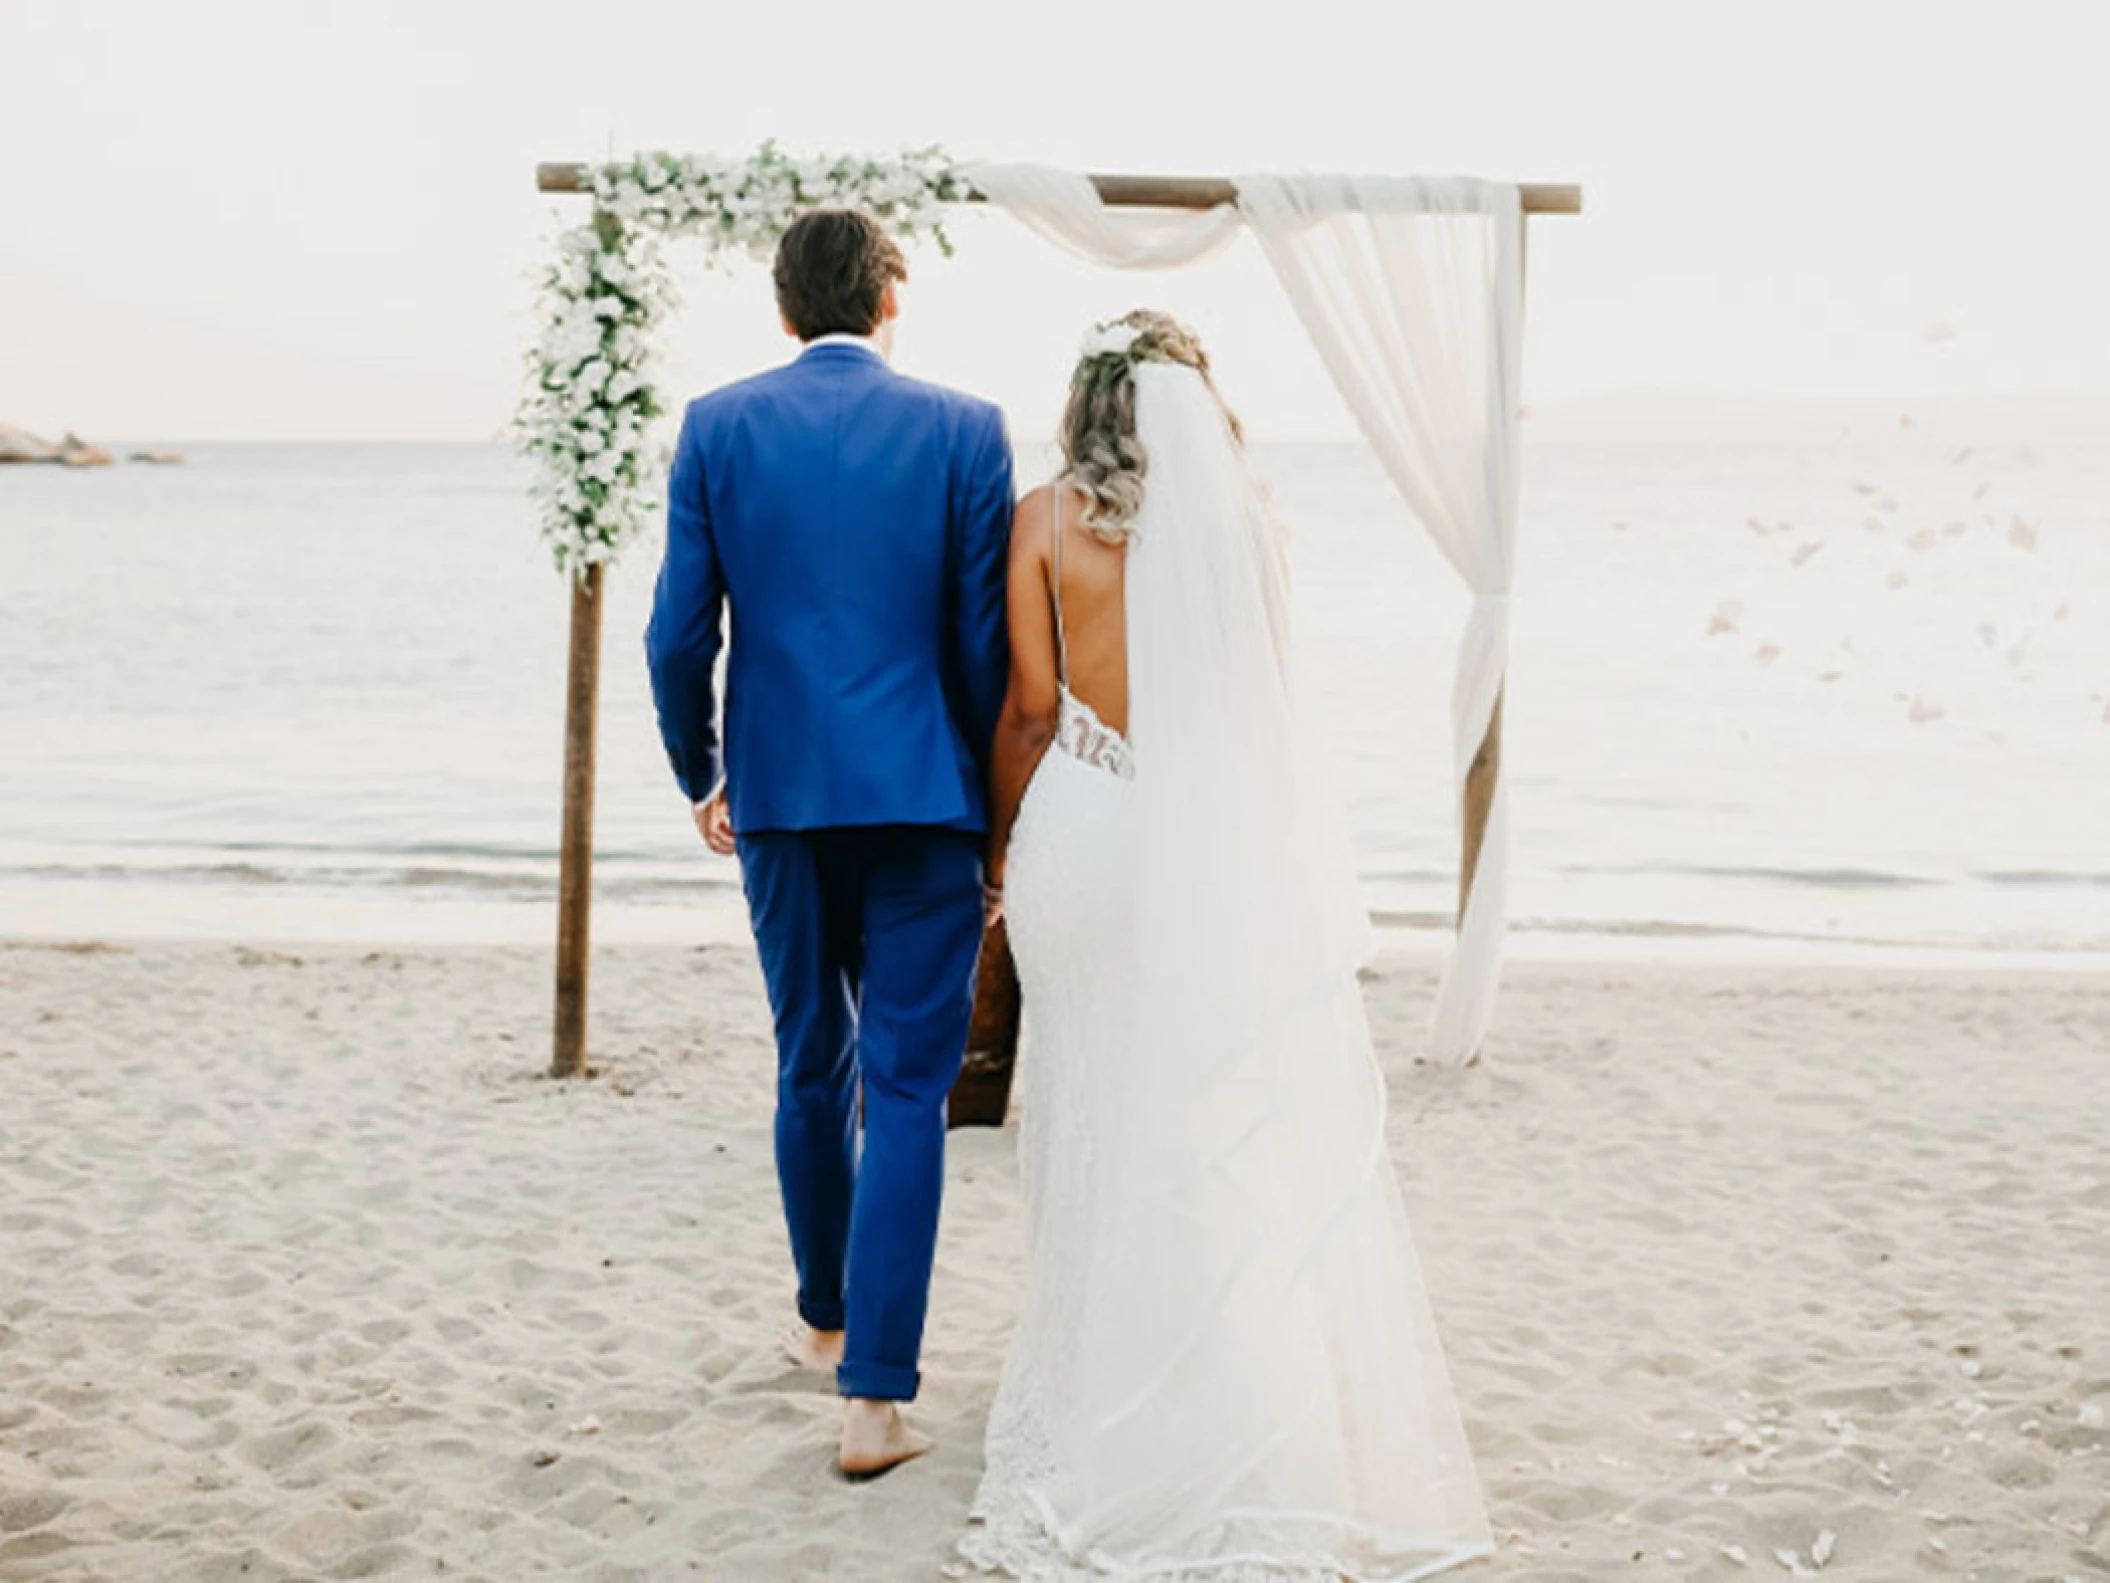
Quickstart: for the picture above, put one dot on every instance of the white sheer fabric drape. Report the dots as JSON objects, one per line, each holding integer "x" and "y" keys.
{"x": 1064, "y": 207}
{"x": 1412, "y": 291}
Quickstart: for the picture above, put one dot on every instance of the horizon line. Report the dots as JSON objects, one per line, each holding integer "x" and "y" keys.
{"x": 1535, "y": 410}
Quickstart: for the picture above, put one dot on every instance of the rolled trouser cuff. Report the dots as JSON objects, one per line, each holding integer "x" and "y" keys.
{"x": 822, "y": 1316}
{"x": 878, "y": 1382}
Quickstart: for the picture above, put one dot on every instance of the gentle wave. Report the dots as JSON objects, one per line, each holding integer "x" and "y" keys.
{"x": 1678, "y": 930}
{"x": 659, "y": 884}
{"x": 610, "y": 879}
{"x": 1845, "y": 879}
{"x": 516, "y": 869}
{"x": 2044, "y": 876}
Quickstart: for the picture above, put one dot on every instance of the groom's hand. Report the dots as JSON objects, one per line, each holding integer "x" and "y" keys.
{"x": 714, "y": 819}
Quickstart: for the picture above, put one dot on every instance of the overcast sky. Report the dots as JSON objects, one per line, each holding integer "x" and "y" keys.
{"x": 301, "y": 219}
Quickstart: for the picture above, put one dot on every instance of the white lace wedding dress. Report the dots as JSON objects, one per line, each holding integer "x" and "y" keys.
{"x": 1225, "y": 1367}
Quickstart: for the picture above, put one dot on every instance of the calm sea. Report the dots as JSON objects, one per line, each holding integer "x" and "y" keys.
{"x": 1768, "y": 699}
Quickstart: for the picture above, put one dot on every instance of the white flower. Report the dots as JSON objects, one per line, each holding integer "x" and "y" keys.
{"x": 1109, "y": 340}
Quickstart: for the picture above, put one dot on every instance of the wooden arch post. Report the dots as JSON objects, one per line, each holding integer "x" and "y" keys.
{"x": 582, "y": 707}
{"x": 983, "y": 1093}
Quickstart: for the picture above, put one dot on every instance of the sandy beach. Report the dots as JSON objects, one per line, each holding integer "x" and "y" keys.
{"x": 308, "y": 1273}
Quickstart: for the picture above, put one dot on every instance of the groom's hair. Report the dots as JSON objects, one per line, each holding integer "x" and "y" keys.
{"x": 833, "y": 267}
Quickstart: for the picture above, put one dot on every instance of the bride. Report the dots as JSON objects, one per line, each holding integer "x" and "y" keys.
{"x": 1225, "y": 1367}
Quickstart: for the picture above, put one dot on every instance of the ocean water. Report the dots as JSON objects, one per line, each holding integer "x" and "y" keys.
{"x": 1770, "y": 697}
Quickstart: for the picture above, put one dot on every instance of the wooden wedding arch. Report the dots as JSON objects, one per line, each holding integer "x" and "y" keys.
{"x": 982, "y": 1095}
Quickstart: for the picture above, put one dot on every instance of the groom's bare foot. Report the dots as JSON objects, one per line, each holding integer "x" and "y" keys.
{"x": 814, "y": 1349}
{"x": 875, "y": 1438}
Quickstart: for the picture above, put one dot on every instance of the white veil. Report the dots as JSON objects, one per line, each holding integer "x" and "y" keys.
{"x": 1271, "y": 1382}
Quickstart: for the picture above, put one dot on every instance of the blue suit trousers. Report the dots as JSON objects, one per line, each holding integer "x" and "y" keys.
{"x": 868, "y": 938}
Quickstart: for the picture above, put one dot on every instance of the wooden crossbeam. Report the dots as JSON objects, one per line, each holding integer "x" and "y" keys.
{"x": 1141, "y": 192}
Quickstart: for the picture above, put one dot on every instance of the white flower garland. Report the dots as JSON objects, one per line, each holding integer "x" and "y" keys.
{"x": 591, "y": 397}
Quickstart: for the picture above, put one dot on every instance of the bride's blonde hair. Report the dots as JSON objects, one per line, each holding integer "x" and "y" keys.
{"x": 1100, "y": 452}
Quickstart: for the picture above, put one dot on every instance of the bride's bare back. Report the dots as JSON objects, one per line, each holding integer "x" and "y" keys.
{"x": 1093, "y": 639}
{"x": 1094, "y": 615}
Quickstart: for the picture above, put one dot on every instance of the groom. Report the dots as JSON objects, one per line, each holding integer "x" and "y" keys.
{"x": 857, "y": 524}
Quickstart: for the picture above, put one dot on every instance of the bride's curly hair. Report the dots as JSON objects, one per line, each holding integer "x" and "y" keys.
{"x": 1100, "y": 452}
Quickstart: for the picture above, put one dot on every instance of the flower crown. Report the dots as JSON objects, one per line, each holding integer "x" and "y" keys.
{"x": 1110, "y": 340}
{"x": 1130, "y": 343}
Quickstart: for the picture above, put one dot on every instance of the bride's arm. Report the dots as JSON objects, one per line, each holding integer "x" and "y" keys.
{"x": 1026, "y": 725}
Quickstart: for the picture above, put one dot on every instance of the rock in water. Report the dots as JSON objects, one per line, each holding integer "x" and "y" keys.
{"x": 77, "y": 452}
{"x": 19, "y": 445}
{"x": 159, "y": 458}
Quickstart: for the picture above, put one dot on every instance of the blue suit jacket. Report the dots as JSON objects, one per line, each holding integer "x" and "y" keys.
{"x": 857, "y": 522}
